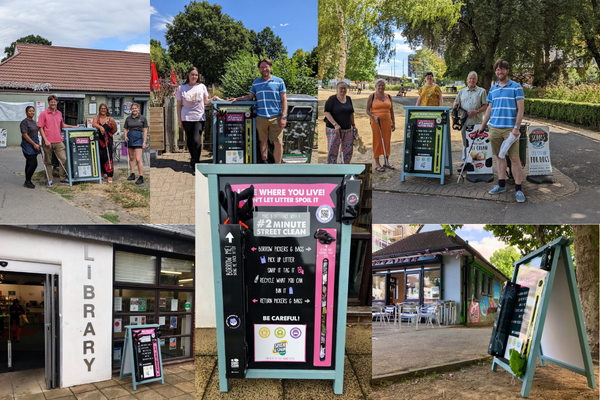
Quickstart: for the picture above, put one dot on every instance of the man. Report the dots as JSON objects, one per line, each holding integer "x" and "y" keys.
{"x": 50, "y": 123}
{"x": 271, "y": 102}
{"x": 505, "y": 114}
{"x": 473, "y": 100}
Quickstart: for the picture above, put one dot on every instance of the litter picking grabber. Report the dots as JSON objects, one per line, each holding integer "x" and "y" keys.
{"x": 43, "y": 157}
{"x": 387, "y": 164}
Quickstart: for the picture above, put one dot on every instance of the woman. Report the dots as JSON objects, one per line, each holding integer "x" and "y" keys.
{"x": 135, "y": 132}
{"x": 381, "y": 110}
{"x": 30, "y": 145}
{"x": 107, "y": 127}
{"x": 430, "y": 94}
{"x": 16, "y": 310}
{"x": 191, "y": 97}
{"x": 341, "y": 130}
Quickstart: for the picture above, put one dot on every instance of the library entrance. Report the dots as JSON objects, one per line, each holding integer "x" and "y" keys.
{"x": 29, "y": 319}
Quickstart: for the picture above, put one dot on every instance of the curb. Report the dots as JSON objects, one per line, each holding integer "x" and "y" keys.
{"x": 438, "y": 368}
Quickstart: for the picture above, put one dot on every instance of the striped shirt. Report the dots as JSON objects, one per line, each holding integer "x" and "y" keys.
{"x": 503, "y": 100}
{"x": 268, "y": 96}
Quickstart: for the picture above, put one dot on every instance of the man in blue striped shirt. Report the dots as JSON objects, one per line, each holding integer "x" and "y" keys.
{"x": 505, "y": 113}
{"x": 271, "y": 102}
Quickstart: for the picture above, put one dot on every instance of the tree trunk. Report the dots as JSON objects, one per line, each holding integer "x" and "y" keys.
{"x": 588, "y": 277}
{"x": 343, "y": 44}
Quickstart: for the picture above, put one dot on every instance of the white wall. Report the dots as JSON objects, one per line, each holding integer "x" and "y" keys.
{"x": 68, "y": 254}
{"x": 205, "y": 282}
{"x": 452, "y": 281}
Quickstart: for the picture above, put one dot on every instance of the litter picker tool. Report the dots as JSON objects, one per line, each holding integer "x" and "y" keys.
{"x": 382, "y": 143}
{"x": 43, "y": 157}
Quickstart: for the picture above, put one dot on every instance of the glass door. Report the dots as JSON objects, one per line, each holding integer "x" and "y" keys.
{"x": 413, "y": 286}
{"x": 50, "y": 331}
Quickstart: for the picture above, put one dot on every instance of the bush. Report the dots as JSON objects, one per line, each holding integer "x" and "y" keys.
{"x": 586, "y": 114}
{"x": 395, "y": 88}
{"x": 241, "y": 71}
{"x": 582, "y": 93}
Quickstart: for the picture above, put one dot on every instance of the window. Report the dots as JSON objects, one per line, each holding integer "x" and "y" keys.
{"x": 477, "y": 285}
{"x": 432, "y": 284}
{"x": 115, "y": 104}
{"x": 484, "y": 278}
{"x": 379, "y": 288}
{"x": 490, "y": 285}
{"x": 152, "y": 289}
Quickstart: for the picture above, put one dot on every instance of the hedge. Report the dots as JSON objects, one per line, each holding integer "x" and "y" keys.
{"x": 586, "y": 114}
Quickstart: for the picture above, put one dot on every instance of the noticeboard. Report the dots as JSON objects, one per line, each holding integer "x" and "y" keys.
{"x": 234, "y": 133}
{"x": 280, "y": 310}
{"x": 83, "y": 155}
{"x": 427, "y": 148}
{"x": 142, "y": 358}
{"x": 547, "y": 320}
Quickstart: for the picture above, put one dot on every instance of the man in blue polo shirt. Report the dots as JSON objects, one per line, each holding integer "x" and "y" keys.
{"x": 507, "y": 100}
{"x": 271, "y": 102}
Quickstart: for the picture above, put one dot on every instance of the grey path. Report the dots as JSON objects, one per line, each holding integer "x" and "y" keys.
{"x": 30, "y": 385}
{"x": 19, "y": 205}
{"x": 396, "y": 351}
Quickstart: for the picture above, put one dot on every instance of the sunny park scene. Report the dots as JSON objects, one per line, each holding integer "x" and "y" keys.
{"x": 485, "y": 311}
{"x": 224, "y": 42}
{"x": 552, "y": 52}
{"x": 91, "y": 83}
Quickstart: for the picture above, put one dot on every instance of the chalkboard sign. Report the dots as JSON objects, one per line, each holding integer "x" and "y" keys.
{"x": 234, "y": 133}
{"x": 141, "y": 355}
{"x": 427, "y": 149}
{"x": 83, "y": 155}
{"x": 546, "y": 316}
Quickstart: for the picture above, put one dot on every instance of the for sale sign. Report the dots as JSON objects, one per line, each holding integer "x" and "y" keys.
{"x": 538, "y": 147}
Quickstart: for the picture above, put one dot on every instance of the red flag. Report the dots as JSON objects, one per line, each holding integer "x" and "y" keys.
{"x": 154, "y": 83}
{"x": 173, "y": 79}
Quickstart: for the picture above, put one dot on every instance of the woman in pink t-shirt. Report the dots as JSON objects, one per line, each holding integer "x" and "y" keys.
{"x": 192, "y": 96}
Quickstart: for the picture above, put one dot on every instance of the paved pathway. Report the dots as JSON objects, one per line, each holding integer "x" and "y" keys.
{"x": 172, "y": 189}
{"x": 30, "y": 385}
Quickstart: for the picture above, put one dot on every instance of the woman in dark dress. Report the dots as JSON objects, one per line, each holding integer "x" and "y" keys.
{"x": 107, "y": 127}
{"x": 30, "y": 144}
{"x": 135, "y": 132}
{"x": 341, "y": 130}
{"x": 16, "y": 310}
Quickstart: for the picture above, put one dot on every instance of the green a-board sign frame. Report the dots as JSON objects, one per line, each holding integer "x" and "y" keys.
{"x": 127, "y": 359}
{"x": 70, "y": 156}
{"x": 213, "y": 172}
{"x": 566, "y": 283}
{"x": 443, "y": 147}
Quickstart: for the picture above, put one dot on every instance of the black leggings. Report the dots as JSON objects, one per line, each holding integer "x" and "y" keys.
{"x": 30, "y": 166}
{"x": 193, "y": 132}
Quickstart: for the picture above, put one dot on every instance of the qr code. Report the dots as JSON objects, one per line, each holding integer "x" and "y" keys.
{"x": 324, "y": 213}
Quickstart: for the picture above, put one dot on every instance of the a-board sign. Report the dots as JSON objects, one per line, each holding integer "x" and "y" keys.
{"x": 83, "y": 155}
{"x": 538, "y": 149}
{"x": 427, "y": 150}
{"x": 3, "y": 137}
{"x": 546, "y": 320}
{"x": 479, "y": 156}
{"x": 142, "y": 358}
{"x": 234, "y": 133}
{"x": 281, "y": 239}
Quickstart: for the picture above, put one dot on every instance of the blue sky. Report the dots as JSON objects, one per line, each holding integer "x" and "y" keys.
{"x": 403, "y": 50}
{"x": 113, "y": 25}
{"x": 483, "y": 241}
{"x": 295, "y": 22}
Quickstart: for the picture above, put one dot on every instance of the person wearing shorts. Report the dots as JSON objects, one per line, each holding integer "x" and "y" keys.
{"x": 135, "y": 133}
{"x": 271, "y": 105}
{"x": 505, "y": 113}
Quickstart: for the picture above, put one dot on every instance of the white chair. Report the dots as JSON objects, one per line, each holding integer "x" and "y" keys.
{"x": 390, "y": 312}
{"x": 408, "y": 311}
{"x": 378, "y": 313}
{"x": 431, "y": 312}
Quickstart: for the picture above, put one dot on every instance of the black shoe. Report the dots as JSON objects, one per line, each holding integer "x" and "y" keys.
{"x": 265, "y": 161}
{"x": 29, "y": 185}
{"x": 140, "y": 180}
{"x": 65, "y": 181}
{"x": 131, "y": 177}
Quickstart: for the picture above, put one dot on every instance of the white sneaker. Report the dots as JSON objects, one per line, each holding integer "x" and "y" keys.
{"x": 49, "y": 183}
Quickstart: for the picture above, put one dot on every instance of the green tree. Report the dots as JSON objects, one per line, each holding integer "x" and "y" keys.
{"x": 205, "y": 37}
{"x": 31, "y": 39}
{"x": 267, "y": 43}
{"x": 241, "y": 71}
{"x": 527, "y": 238}
{"x": 428, "y": 61}
{"x": 361, "y": 64}
{"x": 503, "y": 260}
{"x": 587, "y": 15}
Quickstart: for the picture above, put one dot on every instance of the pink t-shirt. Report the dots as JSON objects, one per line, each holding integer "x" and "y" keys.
{"x": 192, "y": 99}
{"x": 52, "y": 123}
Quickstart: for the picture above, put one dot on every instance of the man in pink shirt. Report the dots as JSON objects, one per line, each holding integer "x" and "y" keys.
{"x": 50, "y": 123}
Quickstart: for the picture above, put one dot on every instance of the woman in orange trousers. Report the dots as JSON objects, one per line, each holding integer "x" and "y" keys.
{"x": 381, "y": 110}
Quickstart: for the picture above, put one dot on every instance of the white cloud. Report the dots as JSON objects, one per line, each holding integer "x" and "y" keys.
{"x": 153, "y": 10}
{"x": 73, "y": 23}
{"x": 405, "y": 48}
{"x": 139, "y": 48}
{"x": 159, "y": 22}
{"x": 487, "y": 246}
{"x": 474, "y": 227}
{"x": 283, "y": 24}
